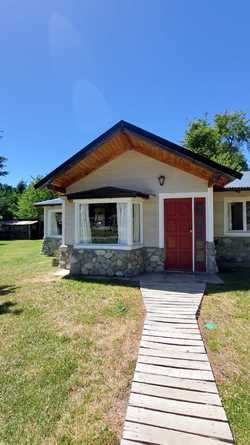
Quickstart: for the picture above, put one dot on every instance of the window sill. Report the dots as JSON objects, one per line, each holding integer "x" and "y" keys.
{"x": 239, "y": 233}
{"x": 53, "y": 237}
{"x": 107, "y": 246}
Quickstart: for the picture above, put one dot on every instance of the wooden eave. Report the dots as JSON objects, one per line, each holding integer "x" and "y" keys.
{"x": 123, "y": 137}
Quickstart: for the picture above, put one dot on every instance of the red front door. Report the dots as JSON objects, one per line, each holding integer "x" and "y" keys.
{"x": 178, "y": 234}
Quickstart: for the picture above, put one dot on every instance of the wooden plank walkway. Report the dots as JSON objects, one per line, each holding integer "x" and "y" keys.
{"x": 174, "y": 398}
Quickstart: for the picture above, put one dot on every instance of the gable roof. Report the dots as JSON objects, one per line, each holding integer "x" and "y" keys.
{"x": 124, "y": 136}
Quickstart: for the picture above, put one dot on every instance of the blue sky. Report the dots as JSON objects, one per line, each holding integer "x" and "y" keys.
{"x": 71, "y": 69}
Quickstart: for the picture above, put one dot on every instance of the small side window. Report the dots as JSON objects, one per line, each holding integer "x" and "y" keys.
{"x": 236, "y": 216}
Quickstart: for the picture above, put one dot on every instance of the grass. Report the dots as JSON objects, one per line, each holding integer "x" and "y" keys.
{"x": 67, "y": 352}
{"x": 228, "y": 346}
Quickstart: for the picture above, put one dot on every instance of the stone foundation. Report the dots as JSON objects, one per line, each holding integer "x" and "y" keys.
{"x": 50, "y": 246}
{"x": 233, "y": 252}
{"x": 107, "y": 262}
{"x": 121, "y": 263}
{"x": 65, "y": 255}
{"x": 211, "y": 258}
{"x": 154, "y": 259}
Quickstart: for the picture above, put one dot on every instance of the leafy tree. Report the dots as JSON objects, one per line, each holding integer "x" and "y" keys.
{"x": 21, "y": 186}
{"x": 25, "y": 205}
{"x": 222, "y": 140}
{"x": 3, "y": 172}
{"x": 8, "y": 201}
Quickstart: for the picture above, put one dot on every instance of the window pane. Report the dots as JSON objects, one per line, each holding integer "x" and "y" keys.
{"x": 103, "y": 223}
{"x": 236, "y": 211}
{"x": 248, "y": 214}
{"x": 136, "y": 223}
{"x": 56, "y": 223}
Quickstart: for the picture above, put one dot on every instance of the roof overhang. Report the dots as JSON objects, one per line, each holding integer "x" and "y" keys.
{"x": 49, "y": 203}
{"x": 123, "y": 137}
{"x": 107, "y": 192}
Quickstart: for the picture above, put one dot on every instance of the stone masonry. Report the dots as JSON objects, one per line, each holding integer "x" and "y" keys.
{"x": 211, "y": 258}
{"x": 154, "y": 258}
{"x": 233, "y": 251}
{"x": 111, "y": 262}
{"x": 50, "y": 246}
{"x": 121, "y": 263}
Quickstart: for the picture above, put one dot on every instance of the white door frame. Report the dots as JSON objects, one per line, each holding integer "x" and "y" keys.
{"x": 209, "y": 215}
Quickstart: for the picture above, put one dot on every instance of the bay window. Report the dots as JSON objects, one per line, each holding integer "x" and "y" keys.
{"x": 237, "y": 215}
{"x": 114, "y": 223}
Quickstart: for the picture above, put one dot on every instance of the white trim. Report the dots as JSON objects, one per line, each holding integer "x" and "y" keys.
{"x": 236, "y": 233}
{"x": 108, "y": 246}
{"x": 163, "y": 196}
{"x": 129, "y": 202}
{"x": 64, "y": 221}
{"x": 129, "y": 224}
{"x": 193, "y": 237}
{"x": 209, "y": 215}
{"x": 45, "y": 222}
{"x": 48, "y": 222}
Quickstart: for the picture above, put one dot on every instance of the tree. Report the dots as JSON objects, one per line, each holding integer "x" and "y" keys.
{"x": 25, "y": 205}
{"x": 21, "y": 186}
{"x": 8, "y": 201}
{"x": 3, "y": 172}
{"x": 222, "y": 140}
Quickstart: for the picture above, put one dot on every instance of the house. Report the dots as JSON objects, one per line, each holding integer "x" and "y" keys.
{"x": 52, "y": 223}
{"x": 132, "y": 201}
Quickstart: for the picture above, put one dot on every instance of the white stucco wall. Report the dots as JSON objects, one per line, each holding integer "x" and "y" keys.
{"x": 135, "y": 171}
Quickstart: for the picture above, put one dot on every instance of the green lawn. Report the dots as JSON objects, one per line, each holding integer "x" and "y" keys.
{"x": 229, "y": 347}
{"x": 67, "y": 352}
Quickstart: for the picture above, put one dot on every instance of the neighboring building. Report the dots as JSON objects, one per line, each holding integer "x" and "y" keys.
{"x": 135, "y": 202}
{"x": 19, "y": 229}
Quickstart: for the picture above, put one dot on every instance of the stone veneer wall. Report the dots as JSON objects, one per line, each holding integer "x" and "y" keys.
{"x": 50, "y": 246}
{"x": 211, "y": 258}
{"x": 111, "y": 262}
{"x": 154, "y": 259}
{"x": 120, "y": 263}
{"x": 107, "y": 262}
{"x": 233, "y": 252}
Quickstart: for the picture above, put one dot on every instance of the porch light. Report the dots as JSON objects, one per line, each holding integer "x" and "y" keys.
{"x": 161, "y": 180}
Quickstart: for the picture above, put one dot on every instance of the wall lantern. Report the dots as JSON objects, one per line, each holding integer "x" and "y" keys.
{"x": 161, "y": 180}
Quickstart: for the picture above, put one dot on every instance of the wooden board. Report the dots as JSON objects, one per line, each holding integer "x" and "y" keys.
{"x": 174, "y": 398}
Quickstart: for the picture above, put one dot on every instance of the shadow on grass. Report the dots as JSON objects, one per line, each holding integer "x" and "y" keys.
{"x": 6, "y": 308}
{"x": 6, "y": 289}
{"x": 233, "y": 281}
{"x": 111, "y": 281}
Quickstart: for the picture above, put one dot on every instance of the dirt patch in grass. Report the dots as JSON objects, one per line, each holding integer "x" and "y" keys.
{"x": 68, "y": 358}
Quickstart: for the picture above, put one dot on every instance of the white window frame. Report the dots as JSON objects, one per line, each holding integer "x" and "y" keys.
{"x": 130, "y": 245}
{"x": 227, "y": 223}
{"x": 209, "y": 216}
{"x": 48, "y": 225}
